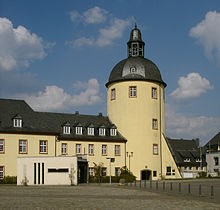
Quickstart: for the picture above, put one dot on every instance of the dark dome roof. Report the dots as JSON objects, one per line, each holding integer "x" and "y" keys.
{"x": 135, "y": 68}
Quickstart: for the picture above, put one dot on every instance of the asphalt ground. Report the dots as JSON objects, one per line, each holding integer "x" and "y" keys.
{"x": 95, "y": 196}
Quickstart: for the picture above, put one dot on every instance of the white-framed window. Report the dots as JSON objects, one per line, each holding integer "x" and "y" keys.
{"x": 90, "y": 131}
{"x": 91, "y": 149}
{"x": 22, "y": 146}
{"x": 154, "y": 93}
{"x": 43, "y": 146}
{"x": 113, "y": 94}
{"x": 104, "y": 171}
{"x": 117, "y": 171}
{"x": 78, "y": 148}
{"x": 198, "y": 160}
{"x": 2, "y": 146}
{"x": 186, "y": 160}
{"x": 104, "y": 149}
{"x": 66, "y": 129}
{"x": 113, "y": 132}
{"x": 132, "y": 91}
{"x": 154, "y": 124}
{"x": 101, "y": 131}
{"x": 64, "y": 148}
{"x": 155, "y": 149}
{"x": 1, "y": 172}
{"x": 117, "y": 149}
{"x": 17, "y": 123}
{"x": 79, "y": 130}
{"x": 91, "y": 171}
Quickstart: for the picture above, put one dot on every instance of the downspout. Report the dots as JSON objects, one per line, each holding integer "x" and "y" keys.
{"x": 161, "y": 172}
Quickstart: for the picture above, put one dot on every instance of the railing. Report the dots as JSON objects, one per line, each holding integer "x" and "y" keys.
{"x": 202, "y": 189}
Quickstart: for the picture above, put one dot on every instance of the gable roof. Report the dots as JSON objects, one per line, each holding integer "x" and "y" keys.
{"x": 213, "y": 144}
{"x": 50, "y": 123}
{"x": 185, "y": 149}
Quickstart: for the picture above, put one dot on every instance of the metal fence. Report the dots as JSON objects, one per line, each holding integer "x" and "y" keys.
{"x": 203, "y": 189}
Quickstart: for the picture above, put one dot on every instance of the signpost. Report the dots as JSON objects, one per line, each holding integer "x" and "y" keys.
{"x": 111, "y": 160}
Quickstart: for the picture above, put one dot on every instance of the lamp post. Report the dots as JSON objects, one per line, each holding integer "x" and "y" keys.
{"x": 129, "y": 155}
{"x": 111, "y": 160}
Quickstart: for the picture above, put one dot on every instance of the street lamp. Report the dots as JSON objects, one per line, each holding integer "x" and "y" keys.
{"x": 129, "y": 155}
{"x": 111, "y": 160}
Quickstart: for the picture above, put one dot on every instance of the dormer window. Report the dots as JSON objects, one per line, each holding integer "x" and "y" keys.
{"x": 90, "y": 131}
{"x": 66, "y": 128}
{"x": 102, "y": 131}
{"x": 186, "y": 160}
{"x": 17, "y": 121}
{"x": 79, "y": 130}
{"x": 113, "y": 132}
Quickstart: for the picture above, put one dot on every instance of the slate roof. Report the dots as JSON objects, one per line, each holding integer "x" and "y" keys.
{"x": 213, "y": 144}
{"x": 50, "y": 123}
{"x": 182, "y": 149}
{"x": 152, "y": 73}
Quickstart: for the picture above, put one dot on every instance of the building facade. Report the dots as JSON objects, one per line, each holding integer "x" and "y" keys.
{"x": 133, "y": 132}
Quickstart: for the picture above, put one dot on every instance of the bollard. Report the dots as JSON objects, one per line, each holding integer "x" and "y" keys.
{"x": 200, "y": 190}
{"x": 189, "y": 191}
{"x": 145, "y": 184}
{"x": 171, "y": 186}
{"x": 212, "y": 191}
{"x": 135, "y": 182}
{"x": 163, "y": 185}
{"x": 179, "y": 187}
{"x": 150, "y": 184}
{"x": 140, "y": 183}
{"x": 157, "y": 185}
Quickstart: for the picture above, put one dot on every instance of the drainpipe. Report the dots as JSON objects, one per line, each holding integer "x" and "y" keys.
{"x": 160, "y": 138}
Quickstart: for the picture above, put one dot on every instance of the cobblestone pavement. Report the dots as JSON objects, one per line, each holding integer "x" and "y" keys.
{"x": 95, "y": 197}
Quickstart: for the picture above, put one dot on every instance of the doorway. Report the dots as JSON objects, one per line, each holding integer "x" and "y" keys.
{"x": 82, "y": 171}
{"x": 146, "y": 175}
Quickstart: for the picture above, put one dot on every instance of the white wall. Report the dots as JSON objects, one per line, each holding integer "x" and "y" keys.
{"x": 25, "y": 168}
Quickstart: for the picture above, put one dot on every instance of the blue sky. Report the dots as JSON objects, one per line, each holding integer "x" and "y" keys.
{"x": 57, "y": 55}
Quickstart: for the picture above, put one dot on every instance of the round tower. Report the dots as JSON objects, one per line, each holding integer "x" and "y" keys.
{"x": 135, "y": 104}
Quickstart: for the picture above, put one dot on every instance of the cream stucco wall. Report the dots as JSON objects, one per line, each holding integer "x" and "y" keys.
{"x": 97, "y": 157}
{"x": 11, "y": 151}
{"x": 133, "y": 118}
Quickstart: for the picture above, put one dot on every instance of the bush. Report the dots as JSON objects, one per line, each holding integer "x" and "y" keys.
{"x": 9, "y": 180}
{"x": 202, "y": 174}
{"x": 104, "y": 179}
{"x": 127, "y": 175}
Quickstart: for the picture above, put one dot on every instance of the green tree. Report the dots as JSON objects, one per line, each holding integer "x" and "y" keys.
{"x": 98, "y": 171}
{"x": 127, "y": 174}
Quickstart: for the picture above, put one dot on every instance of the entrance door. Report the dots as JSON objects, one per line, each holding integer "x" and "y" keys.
{"x": 82, "y": 172}
{"x": 145, "y": 174}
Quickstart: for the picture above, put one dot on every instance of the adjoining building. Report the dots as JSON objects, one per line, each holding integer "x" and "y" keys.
{"x": 188, "y": 157}
{"x": 212, "y": 152}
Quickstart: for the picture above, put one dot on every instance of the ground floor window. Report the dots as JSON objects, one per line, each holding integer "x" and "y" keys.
{"x": 104, "y": 171}
{"x": 117, "y": 171}
{"x": 1, "y": 172}
{"x": 168, "y": 171}
{"x": 91, "y": 171}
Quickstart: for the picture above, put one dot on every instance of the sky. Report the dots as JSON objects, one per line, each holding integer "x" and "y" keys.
{"x": 58, "y": 55}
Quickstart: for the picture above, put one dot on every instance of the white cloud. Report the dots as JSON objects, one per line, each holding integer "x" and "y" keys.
{"x": 55, "y": 98}
{"x": 19, "y": 47}
{"x": 180, "y": 126}
{"x": 207, "y": 32}
{"x": 114, "y": 31}
{"x": 90, "y": 16}
{"x": 105, "y": 37}
{"x": 95, "y": 15}
{"x": 191, "y": 86}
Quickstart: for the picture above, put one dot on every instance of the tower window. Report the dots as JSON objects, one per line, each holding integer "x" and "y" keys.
{"x": 132, "y": 91}
{"x": 154, "y": 124}
{"x": 113, "y": 94}
{"x": 154, "y": 93}
{"x": 155, "y": 149}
